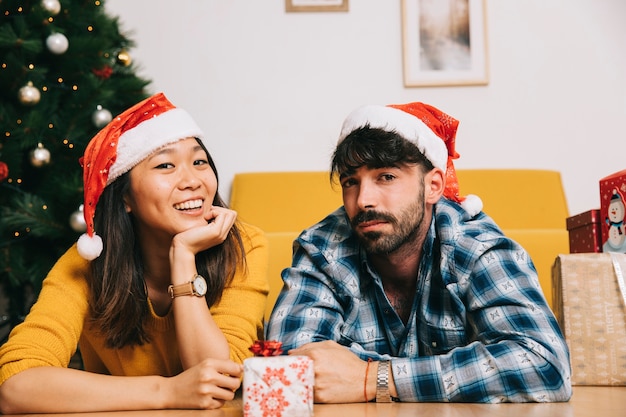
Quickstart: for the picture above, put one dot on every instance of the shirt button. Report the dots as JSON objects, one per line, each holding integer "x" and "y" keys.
{"x": 433, "y": 344}
{"x": 386, "y": 311}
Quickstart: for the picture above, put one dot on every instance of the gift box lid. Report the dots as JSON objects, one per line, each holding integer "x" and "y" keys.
{"x": 613, "y": 175}
{"x": 583, "y": 219}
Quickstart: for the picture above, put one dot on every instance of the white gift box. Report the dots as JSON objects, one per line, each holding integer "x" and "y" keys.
{"x": 278, "y": 386}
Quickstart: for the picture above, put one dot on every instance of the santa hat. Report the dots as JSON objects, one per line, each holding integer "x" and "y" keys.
{"x": 430, "y": 129}
{"x": 126, "y": 141}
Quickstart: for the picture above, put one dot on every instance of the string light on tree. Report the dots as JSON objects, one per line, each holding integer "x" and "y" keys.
{"x": 51, "y": 6}
{"x": 29, "y": 95}
{"x": 77, "y": 220}
{"x": 57, "y": 43}
{"x": 40, "y": 156}
{"x": 101, "y": 117}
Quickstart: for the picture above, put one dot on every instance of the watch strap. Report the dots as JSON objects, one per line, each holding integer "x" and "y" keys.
{"x": 180, "y": 290}
{"x": 382, "y": 383}
{"x": 188, "y": 288}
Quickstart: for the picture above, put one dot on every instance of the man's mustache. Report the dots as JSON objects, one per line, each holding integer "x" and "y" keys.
{"x": 369, "y": 215}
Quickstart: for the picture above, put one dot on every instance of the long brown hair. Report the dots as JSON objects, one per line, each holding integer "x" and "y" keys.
{"x": 119, "y": 306}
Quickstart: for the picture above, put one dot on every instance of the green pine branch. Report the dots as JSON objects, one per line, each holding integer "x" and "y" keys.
{"x": 37, "y": 202}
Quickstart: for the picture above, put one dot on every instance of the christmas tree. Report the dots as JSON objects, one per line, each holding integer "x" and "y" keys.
{"x": 65, "y": 70}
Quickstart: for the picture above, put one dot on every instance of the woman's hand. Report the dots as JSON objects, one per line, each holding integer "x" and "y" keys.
{"x": 206, "y": 385}
{"x": 219, "y": 222}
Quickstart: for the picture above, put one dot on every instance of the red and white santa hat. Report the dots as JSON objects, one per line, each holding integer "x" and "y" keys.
{"x": 430, "y": 129}
{"x": 126, "y": 141}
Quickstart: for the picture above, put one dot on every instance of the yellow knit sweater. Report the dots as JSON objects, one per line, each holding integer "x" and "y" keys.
{"x": 55, "y": 324}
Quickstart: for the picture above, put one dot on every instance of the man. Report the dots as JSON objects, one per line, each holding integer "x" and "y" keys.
{"x": 410, "y": 292}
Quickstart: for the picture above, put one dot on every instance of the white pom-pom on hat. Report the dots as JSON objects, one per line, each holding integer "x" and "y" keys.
{"x": 89, "y": 247}
{"x": 472, "y": 204}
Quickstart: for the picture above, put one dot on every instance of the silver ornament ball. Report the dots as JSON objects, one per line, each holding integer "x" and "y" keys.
{"x": 39, "y": 156}
{"x": 101, "y": 117}
{"x": 51, "y": 6}
{"x": 57, "y": 43}
{"x": 29, "y": 95}
{"x": 77, "y": 220}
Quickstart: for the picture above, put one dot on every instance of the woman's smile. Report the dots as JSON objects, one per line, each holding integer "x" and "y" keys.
{"x": 189, "y": 205}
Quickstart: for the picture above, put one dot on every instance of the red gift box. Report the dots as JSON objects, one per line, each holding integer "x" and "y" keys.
{"x": 612, "y": 211}
{"x": 585, "y": 235}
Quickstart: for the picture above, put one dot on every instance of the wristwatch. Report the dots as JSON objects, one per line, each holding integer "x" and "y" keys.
{"x": 382, "y": 383}
{"x": 197, "y": 286}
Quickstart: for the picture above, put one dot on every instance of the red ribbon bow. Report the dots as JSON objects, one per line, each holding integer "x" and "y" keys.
{"x": 266, "y": 348}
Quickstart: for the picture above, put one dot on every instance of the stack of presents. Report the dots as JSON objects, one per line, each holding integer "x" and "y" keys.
{"x": 590, "y": 290}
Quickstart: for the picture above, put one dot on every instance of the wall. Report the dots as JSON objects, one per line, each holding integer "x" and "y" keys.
{"x": 271, "y": 88}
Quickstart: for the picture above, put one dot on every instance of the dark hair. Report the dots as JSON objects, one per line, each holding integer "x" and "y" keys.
{"x": 118, "y": 301}
{"x": 375, "y": 148}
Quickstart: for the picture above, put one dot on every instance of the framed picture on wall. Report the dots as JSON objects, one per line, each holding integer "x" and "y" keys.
{"x": 316, "y": 5}
{"x": 444, "y": 43}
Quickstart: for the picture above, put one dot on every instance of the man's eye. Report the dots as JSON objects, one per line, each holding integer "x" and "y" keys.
{"x": 347, "y": 183}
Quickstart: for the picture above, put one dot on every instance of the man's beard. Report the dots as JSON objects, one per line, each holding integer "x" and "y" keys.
{"x": 404, "y": 229}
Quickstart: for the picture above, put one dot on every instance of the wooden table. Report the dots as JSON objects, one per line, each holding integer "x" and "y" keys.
{"x": 586, "y": 402}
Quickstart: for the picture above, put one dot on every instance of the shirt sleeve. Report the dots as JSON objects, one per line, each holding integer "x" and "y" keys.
{"x": 317, "y": 300}
{"x": 512, "y": 349}
{"x": 239, "y": 313}
{"x": 49, "y": 335}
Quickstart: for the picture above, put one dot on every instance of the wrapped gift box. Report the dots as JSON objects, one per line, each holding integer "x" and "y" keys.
{"x": 612, "y": 212}
{"x": 592, "y": 314}
{"x": 584, "y": 232}
{"x": 278, "y": 386}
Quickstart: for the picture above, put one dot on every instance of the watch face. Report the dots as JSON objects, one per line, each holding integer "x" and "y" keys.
{"x": 199, "y": 285}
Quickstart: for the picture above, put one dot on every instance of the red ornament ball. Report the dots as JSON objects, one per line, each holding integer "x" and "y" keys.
{"x": 4, "y": 171}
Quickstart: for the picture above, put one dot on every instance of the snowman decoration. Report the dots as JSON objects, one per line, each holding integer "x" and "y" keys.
{"x": 616, "y": 240}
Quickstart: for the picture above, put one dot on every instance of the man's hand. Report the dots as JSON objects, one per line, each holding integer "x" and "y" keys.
{"x": 339, "y": 373}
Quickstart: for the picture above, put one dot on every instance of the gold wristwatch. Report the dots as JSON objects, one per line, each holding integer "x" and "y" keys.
{"x": 382, "y": 383}
{"x": 197, "y": 286}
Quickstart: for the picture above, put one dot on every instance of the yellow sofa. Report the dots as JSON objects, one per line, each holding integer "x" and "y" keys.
{"x": 529, "y": 205}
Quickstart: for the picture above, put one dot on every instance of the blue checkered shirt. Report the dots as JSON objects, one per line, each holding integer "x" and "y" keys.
{"x": 480, "y": 329}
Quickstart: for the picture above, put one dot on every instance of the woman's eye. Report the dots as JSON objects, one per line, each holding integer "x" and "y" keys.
{"x": 200, "y": 162}
{"x": 164, "y": 165}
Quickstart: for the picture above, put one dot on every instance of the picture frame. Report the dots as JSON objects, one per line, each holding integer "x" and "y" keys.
{"x": 444, "y": 43}
{"x": 316, "y": 5}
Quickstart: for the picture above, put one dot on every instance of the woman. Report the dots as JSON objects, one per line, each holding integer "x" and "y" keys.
{"x": 136, "y": 295}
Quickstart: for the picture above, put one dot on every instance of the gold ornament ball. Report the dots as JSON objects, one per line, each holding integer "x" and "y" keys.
{"x": 39, "y": 156}
{"x": 29, "y": 95}
{"x": 124, "y": 58}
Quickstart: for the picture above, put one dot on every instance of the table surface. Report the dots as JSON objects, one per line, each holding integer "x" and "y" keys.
{"x": 586, "y": 401}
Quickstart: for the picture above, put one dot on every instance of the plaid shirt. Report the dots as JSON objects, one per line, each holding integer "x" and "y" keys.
{"x": 480, "y": 329}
